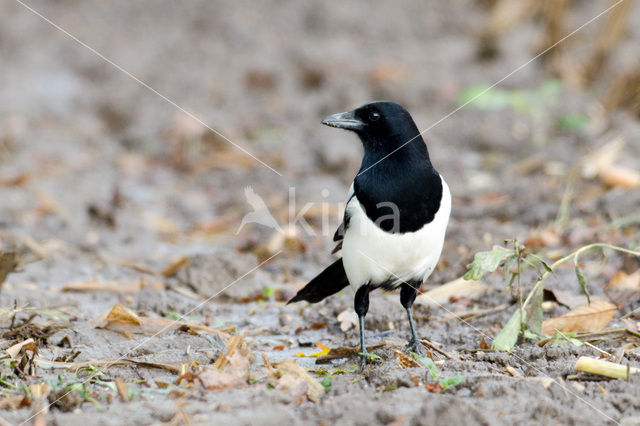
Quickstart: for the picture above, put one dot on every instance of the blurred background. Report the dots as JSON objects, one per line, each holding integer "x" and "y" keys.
{"x": 84, "y": 145}
{"x": 120, "y": 123}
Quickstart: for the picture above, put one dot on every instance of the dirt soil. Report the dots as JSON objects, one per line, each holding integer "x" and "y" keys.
{"x": 104, "y": 183}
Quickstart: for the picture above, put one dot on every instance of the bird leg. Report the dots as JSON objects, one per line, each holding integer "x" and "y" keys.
{"x": 408, "y": 294}
{"x": 361, "y": 306}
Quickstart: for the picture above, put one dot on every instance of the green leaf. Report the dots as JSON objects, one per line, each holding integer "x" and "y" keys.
{"x": 428, "y": 363}
{"x": 528, "y": 334}
{"x": 451, "y": 382}
{"x": 484, "y": 97}
{"x": 573, "y": 122}
{"x": 560, "y": 338}
{"x": 487, "y": 261}
{"x": 369, "y": 355}
{"x": 508, "y": 265}
{"x": 583, "y": 283}
{"x": 268, "y": 292}
{"x": 326, "y": 383}
{"x": 520, "y": 101}
{"x": 535, "y": 259}
{"x": 535, "y": 312}
{"x": 508, "y": 336}
{"x": 550, "y": 89}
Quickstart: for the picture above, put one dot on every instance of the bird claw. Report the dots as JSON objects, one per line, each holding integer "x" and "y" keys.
{"x": 364, "y": 360}
{"x": 416, "y": 347}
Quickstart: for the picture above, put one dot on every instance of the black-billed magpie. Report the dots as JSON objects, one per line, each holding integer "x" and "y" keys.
{"x": 396, "y": 214}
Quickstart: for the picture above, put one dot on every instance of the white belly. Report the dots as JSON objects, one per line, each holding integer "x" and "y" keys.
{"x": 371, "y": 255}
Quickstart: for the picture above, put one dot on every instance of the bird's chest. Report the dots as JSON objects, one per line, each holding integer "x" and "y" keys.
{"x": 399, "y": 201}
{"x": 373, "y": 255}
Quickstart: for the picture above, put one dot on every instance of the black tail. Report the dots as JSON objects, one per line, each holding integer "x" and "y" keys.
{"x": 328, "y": 282}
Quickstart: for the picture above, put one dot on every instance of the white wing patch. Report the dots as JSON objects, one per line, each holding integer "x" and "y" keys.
{"x": 371, "y": 255}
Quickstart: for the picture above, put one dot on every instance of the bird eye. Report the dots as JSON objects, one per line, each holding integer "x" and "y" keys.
{"x": 374, "y": 116}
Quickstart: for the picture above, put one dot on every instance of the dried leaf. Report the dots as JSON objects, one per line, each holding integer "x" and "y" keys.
{"x": 603, "y": 158}
{"x": 121, "y": 313}
{"x": 544, "y": 381}
{"x": 14, "y": 350}
{"x": 347, "y": 319}
{"x": 345, "y": 352}
{"x": 483, "y": 344}
{"x": 14, "y": 402}
{"x": 461, "y": 287}
{"x": 324, "y": 351}
{"x": 296, "y": 387}
{"x": 231, "y": 369}
{"x": 235, "y": 345}
{"x": 592, "y": 316}
{"x": 405, "y": 361}
{"x": 620, "y": 176}
{"x": 315, "y": 390}
{"x": 623, "y": 281}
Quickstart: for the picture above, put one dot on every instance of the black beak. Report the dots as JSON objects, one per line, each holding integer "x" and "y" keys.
{"x": 344, "y": 120}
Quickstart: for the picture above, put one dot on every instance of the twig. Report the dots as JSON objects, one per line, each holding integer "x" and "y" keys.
{"x": 586, "y": 343}
{"x": 469, "y": 315}
{"x": 430, "y": 345}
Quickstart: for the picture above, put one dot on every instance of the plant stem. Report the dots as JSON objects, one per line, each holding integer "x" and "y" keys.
{"x": 575, "y": 254}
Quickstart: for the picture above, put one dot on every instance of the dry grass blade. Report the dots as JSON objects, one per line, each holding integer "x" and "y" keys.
{"x": 123, "y": 391}
{"x": 39, "y": 406}
{"x": 128, "y": 264}
{"x": 175, "y": 266}
{"x": 114, "y": 286}
{"x": 74, "y": 366}
{"x": 589, "y": 317}
{"x": 125, "y": 321}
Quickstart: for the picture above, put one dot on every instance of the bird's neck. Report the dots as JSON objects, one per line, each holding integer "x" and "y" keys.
{"x": 389, "y": 158}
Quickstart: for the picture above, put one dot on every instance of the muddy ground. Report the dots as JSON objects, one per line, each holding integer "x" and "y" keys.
{"x": 103, "y": 183}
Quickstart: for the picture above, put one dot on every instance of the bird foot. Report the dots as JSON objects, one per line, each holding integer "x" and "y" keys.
{"x": 364, "y": 360}
{"x": 367, "y": 358}
{"x": 416, "y": 347}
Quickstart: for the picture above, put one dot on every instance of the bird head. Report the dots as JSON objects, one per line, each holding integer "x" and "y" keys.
{"x": 382, "y": 126}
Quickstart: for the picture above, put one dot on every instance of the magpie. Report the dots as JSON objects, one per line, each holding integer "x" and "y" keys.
{"x": 395, "y": 218}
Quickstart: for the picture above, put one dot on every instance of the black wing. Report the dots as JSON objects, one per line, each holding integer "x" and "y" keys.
{"x": 339, "y": 235}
